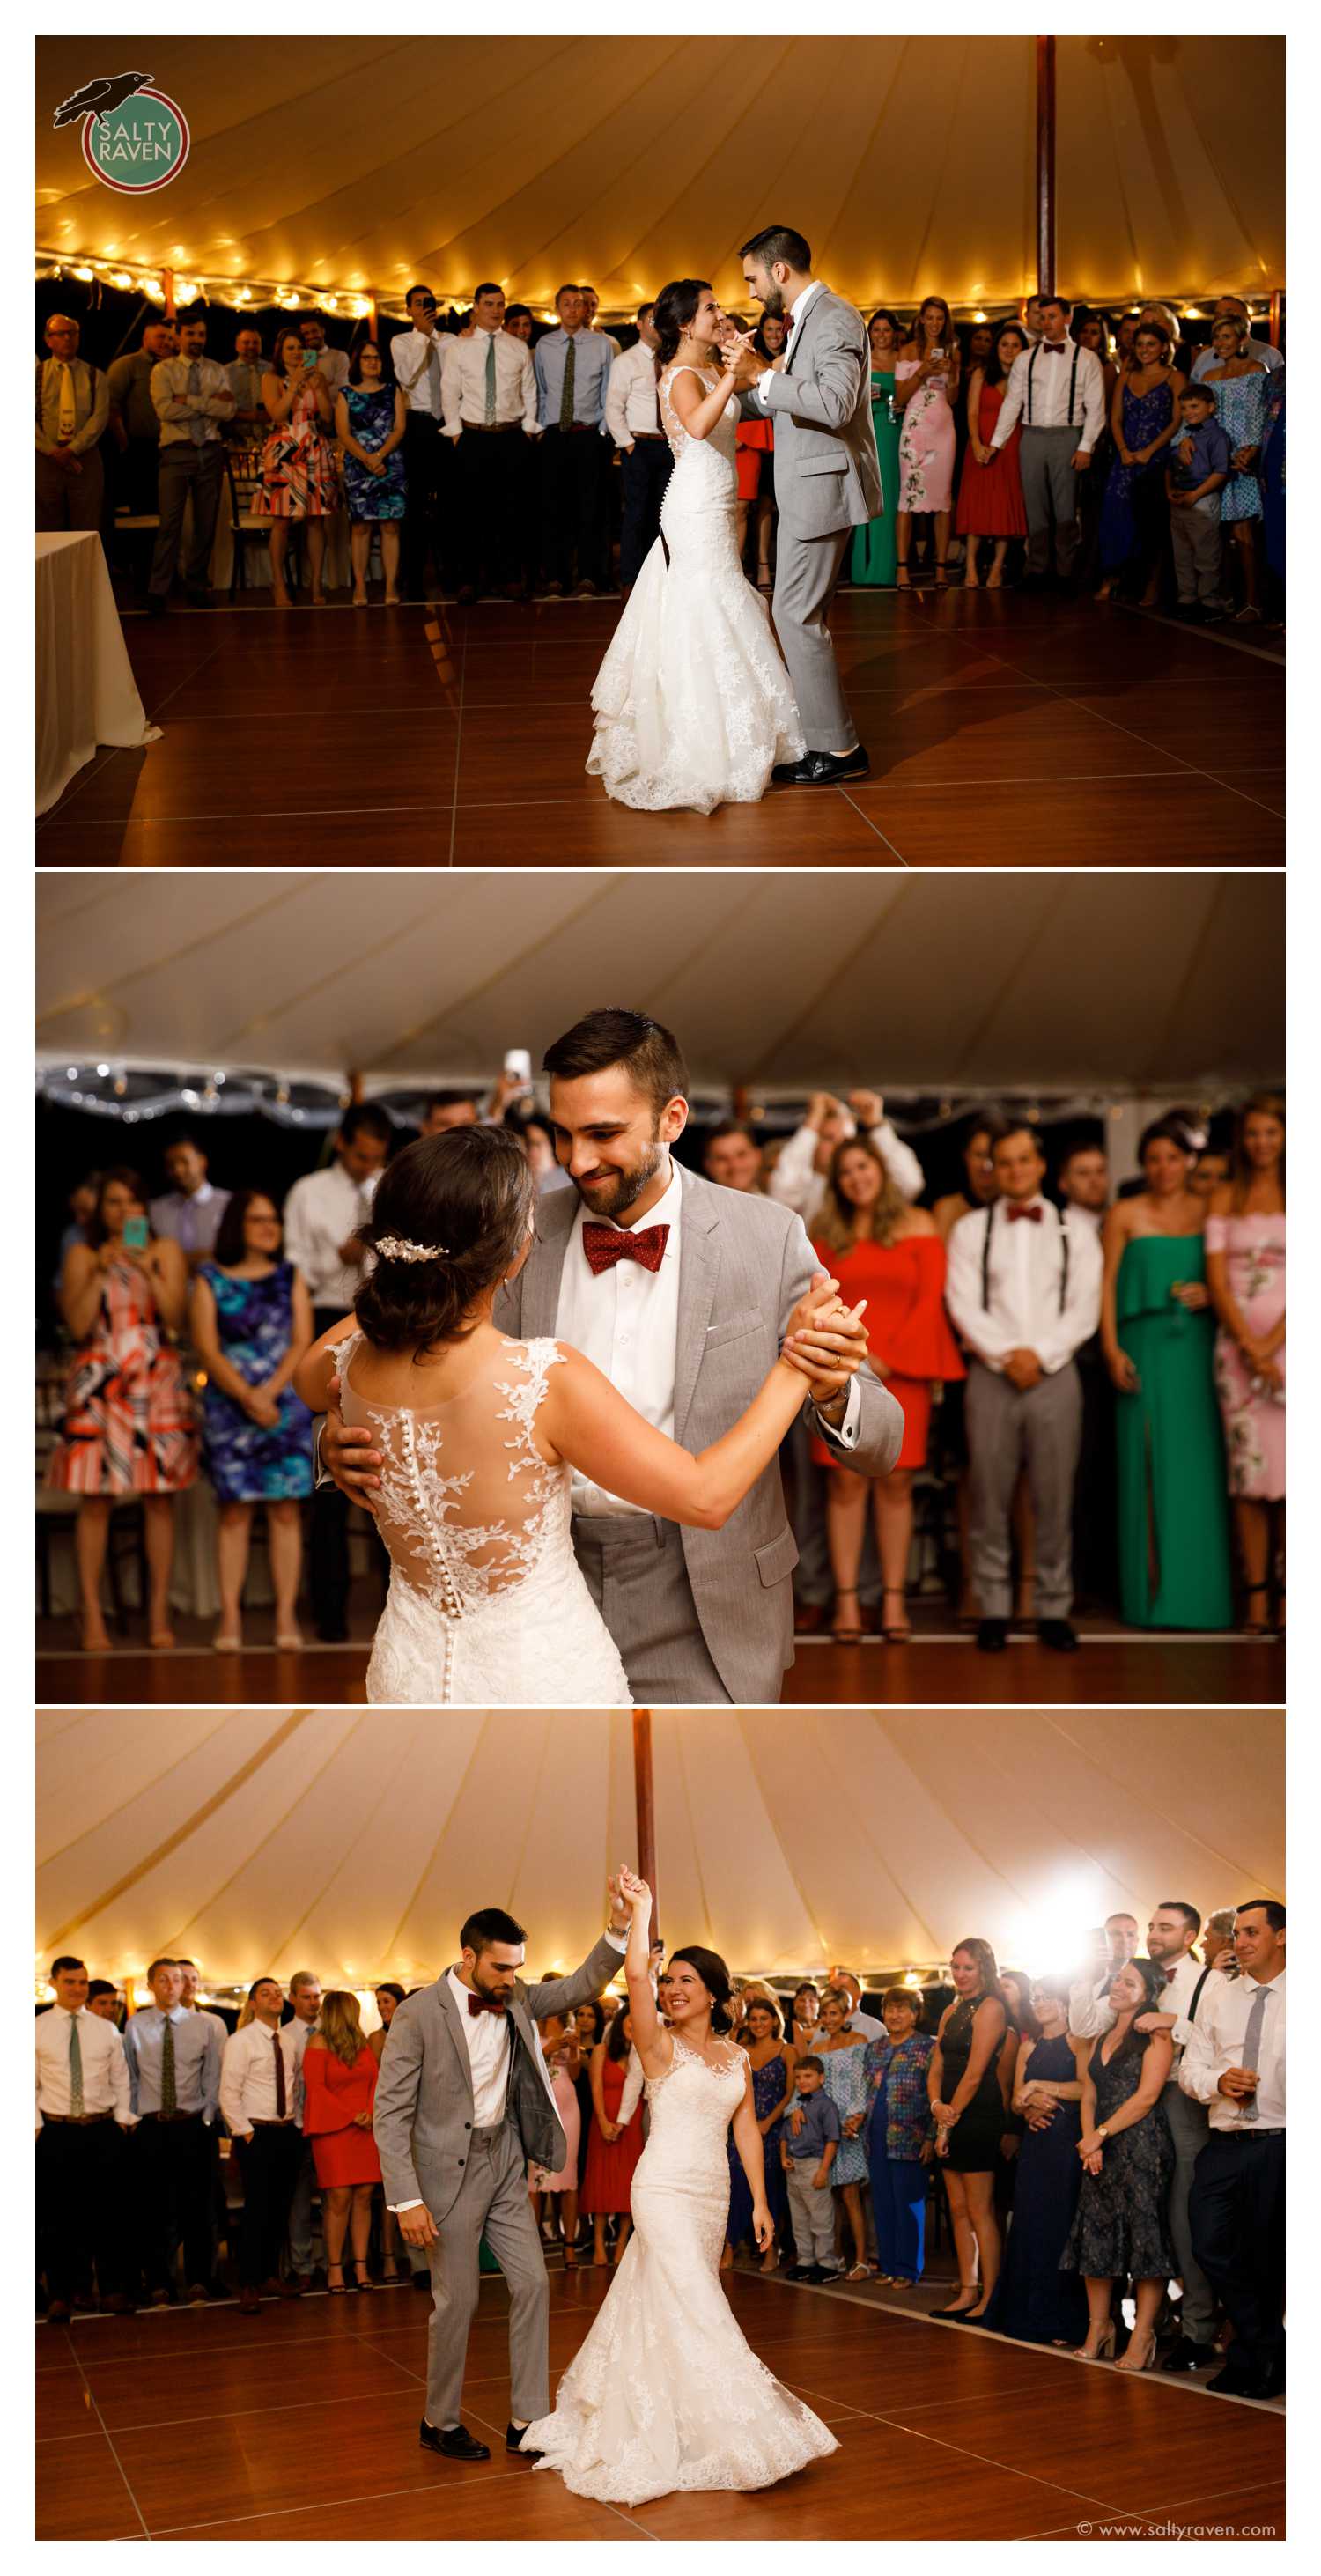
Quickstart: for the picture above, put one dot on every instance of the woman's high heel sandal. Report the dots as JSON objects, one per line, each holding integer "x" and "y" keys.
{"x": 1105, "y": 2350}
{"x": 896, "y": 1632}
{"x": 845, "y": 1636}
{"x": 1256, "y": 1627}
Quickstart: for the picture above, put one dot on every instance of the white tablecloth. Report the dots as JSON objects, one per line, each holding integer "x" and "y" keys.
{"x": 86, "y": 693}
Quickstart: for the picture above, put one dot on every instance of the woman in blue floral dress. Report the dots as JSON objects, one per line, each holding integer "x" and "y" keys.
{"x": 370, "y": 418}
{"x": 1240, "y": 383}
{"x": 843, "y": 2054}
{"x": 1144, "y": 415}
{"x": 251, "y": 1324}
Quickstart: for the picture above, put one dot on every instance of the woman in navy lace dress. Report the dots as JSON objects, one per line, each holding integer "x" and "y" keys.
{"x": 1034, "y": 2302}
{"x": 1120, "y": 2230}
{"x": 1144, "y": 415}
{"x": 251, "y": 1324}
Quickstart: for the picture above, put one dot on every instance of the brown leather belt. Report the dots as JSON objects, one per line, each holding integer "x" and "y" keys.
{"x": 169, "y": 2117}
{"x": 649, "y": 438}
{"x": 570, "y": 429}
{"x": 272, "y": 2124}
{"x": 490, "y": 428}
{"x": 75, "y": 2119}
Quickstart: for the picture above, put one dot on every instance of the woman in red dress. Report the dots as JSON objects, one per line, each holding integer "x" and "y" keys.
{"x": 755, "y": 461}
{"x": 880, "y": 1248}
{"x": 339, "y": 2088}
{"x": 612, "y": 2152}
{"x": 990, "y": 492}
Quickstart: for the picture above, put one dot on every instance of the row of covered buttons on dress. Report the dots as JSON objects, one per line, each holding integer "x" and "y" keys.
{"x": 451, "y": 1600}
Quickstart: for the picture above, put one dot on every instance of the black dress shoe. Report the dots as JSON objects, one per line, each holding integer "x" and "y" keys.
{"x": 803, "y": 2272}
{"x": 456, "y": 2444}
{"x": 1059, "y": 1635}
{"x": 992, "y": 1636}
{"x": 1186, "y": 2355}
{"x": 821, "y": 768}
{"x": 514, "y": 2442}
{"x": 420, "y": 2281}
{"x": 1225, "y": 2384}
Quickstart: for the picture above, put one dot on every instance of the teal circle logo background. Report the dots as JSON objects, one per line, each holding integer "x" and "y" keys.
{"x": 139, "y": 146}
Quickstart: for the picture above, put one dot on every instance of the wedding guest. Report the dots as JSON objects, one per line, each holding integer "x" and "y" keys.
{"x": 1218, "y": 1942}
{"x": 415, "y": 356}
{"x": 244, "y": 374}
{"x": 632, "y": 414}
{"x": 134, "y": 425}
{"x": 810, "y": 2139}
{"x": 173, "y": 2058}
{"x": 1245, "y": 1281}
{"x": 591, "y": 307}
{"x": 1091, "y": 331}
{"x": 105, "y": 2001}
{"x": 251, "y": 1321}
{"x": 518, "y": 323}
{"x": 73, "y": 408}
{"x": 1158, "y": 1335}
{"x": 1125, "y": 334}
{"x": 1033, "y": 317}
{"x": 81, "y": 1205}
{"x": 554, "y": 2193}
{"x": 538, "y": 1141}
{"x": 1272, "y": 469}
{"x": 1198, "y": 467}
{"x": 305, "y": 2013}
{"x": 190, "y": 1213}
{"x": 394, "y": 2265}
{"x": 804, "y": 2017}
{"x": 1058, "y": 391}
{"x": 333, "y": 364}
{"x": 967, "y": 2107}
{"x": 1119, "y": 2229}
{"x": 573, "y": 372}
{"x": 1239, "y": 379}
{"x": 298, "y": 478}
{"x": 980, "y": 1185}
{"x": 881, "y": 1248}
{"x": 194, "y": 406}
{"x": 83, "y": 2111}
{"x": 899, "y": 2137}
{"x": 979, "y": 1189}
{"x": 261, "y": 2101}
{"x": 874, "y": 553}
{"x": 732, "y": 1158}
{"x": 1234, "y": 2063}
{"x": 339, "y": 2088}
{"x": 489, "y": 401}
{"x": 322, "y": 1218}
{"x": 1023, "y": 1292}
{"x": 614, "y": 2146}
{"x": 843, "y": 1982}
{"x": 755, "y": 440}
{"x": 1083, "y": 1182}
{"x": 926, "y": 384}
{"x": 371, "y": 423}
{"x": 772, "y": 2064}
{"x": 842, "y": 2051}
{"x": 990, "y": 493}
{"x": 1144, "y": 419}
{"x": 1035, "y": 2302}
{"x": 128, "y": 1429}
{"x": 801, "y": 1178}
{"x": 589, "y": 2023}
{"x": 1233, "y": 308}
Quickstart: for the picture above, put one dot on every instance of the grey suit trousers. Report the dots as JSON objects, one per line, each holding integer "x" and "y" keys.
{"x": 806, "y": 571}
{"x": 1008, "y": 1428}
{"x": 1050, "y": 497}
{"x": 493, "y": 2202}
{"x": 635, "y": 1572}
{"x": 1190, "y": 2128}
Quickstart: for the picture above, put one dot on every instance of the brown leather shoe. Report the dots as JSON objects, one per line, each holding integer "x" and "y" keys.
{"x": 249, "y": 2302}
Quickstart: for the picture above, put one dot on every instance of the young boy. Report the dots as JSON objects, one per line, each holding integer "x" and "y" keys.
{"x": 810, "y": 2138}
{"x": 1195, "y": 477}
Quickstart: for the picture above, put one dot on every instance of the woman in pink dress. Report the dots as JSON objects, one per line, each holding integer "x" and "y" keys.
{"x": 990, "y": 493}
{"x": 559, "y": 2047}
{"x": 1245, "y": 1275}
{"x": 926, "y": 383}
{"x": 299, "y": 473}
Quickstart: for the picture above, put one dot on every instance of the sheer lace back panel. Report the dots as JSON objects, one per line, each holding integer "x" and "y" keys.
{"x": 721, "y": 441}
{"x": 469, "y": 1508}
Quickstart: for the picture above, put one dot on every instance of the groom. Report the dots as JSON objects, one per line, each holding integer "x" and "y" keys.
{"x": 681, "y": 1294}
{"x": 827, "y": 481}
{"x": 463, "y": 2106}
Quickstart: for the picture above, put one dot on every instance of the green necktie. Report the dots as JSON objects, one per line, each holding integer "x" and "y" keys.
{"x": 169, "y": 2090}
{"x": 75, "y": 2071}
{"x": 196, "y": 426}
{"x": 490, "y": 379}
{"x": 566, "y": 395}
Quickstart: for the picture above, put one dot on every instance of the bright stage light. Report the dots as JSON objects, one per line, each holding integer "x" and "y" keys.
{"x": 1052, "y": 1932}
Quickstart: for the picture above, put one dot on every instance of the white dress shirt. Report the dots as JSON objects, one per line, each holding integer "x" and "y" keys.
{"x": 198, "y": 2042}
{"x": 1024, "y": 1311}
{"x": 796, "y": 320}
{"x": 247, "y": 2077}
{"x": 334, "y": 366}
{"x": 488, "y": 2039}
{"x": 191, "y": 1218}
{"x": 1094, "y": 2012}
{"x": 410, "y": 355}
{"x": 631, "y": 407}
{"x": 798, "y": 1185}
{"x": 463, "y": 382}
{"x": 104, "y": 2065}
{"x": 1051, "y": 378}
{"x": 196, "y": 418}
{"x": 1216, "y": 2042}
{"x": 320, "y": 1213}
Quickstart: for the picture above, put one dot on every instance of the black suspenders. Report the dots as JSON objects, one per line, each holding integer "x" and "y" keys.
{"x": 1073, "y": 381}
{"x": 986, "y": 1257}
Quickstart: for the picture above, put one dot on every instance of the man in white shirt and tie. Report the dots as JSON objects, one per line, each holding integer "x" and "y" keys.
{"x": 322, "y": 1216}
{"x": 1234, "y": 2062}
{"x": 416, "y": 357}
{"x": 305, "y": 1998}
{"x": 489, "y": 399}
{"x": 73, "y": 408}
{"x": 1024, "y": 1291}
{"x": 194, "y": 405}
{"x": 1057, "y": 388}
{"x": 632, "y": 416}
{"x": 83, "y": 2112}
{"x": 261, "y": 2099}
{"x": 174, "y": 2079}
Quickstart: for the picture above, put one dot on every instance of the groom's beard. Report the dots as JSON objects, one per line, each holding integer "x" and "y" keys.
{"x": 772, "y": 304}
{"x": 619, "y": 1191}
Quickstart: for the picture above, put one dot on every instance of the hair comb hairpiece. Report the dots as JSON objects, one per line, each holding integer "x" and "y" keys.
{"x": 396, "y": 1247}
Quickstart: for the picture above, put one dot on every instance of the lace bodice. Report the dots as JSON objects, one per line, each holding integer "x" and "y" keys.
{"x": 721, "y": 441}
{"x": 692, "y": 2104}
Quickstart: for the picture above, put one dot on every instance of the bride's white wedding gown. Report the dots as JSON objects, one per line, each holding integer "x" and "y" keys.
{"x": 487, "y": 1605}
{"x": 693, "y": 704}
{"x": 665, "y": 2393}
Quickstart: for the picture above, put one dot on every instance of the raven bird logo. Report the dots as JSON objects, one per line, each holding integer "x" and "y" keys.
{"x": 101, "y": 97}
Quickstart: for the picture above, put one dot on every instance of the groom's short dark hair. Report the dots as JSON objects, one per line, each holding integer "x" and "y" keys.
{"x": 779, "y": 242}
{"x": 490, "y": 1925}
{"x": 649, "y": 1054}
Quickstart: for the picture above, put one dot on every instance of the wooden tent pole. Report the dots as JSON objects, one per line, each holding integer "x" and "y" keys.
{"x": 1045, "y": 165}
{"x": 167, "y": 281}
{"x": 645, "y": 1797}
{"x": 1275, "y": 319}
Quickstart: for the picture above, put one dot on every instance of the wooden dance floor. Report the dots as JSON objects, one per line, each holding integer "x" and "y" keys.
{"x": 301, "y": 2424}
{"x": 1007, "y": 731}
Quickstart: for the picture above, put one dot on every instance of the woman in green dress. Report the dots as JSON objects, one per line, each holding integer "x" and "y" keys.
{"x": 1158, "y": 1335}
{"x": 872, "y": 557}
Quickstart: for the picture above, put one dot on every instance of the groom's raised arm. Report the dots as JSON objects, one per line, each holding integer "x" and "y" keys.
{"x": 582, "y": 1985}
{"x": 395, "y": 2107}
{"x": 829, "y": 394}
{"x": 870, "y": 1434}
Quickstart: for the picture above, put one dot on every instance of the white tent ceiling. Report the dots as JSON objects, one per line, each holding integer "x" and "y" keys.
{"x": 1124, "y": 983}
{"x": 355, "y": 1843}
{"x": 356, "y": 162}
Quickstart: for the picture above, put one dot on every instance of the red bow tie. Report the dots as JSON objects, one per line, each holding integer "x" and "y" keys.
{"x": 1170, "y": 1975}
{"x": 604, "y": 1245}
{"x": 1032, "y": 1214}
{"x": 479, "y": 2004}
{"x": 1052, "y": 348}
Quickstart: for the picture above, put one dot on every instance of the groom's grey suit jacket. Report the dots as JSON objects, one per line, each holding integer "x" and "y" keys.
{"x": 827, "y": 474}
{"x": 423, "y": 2115}
{"x": 745, "y": 1262}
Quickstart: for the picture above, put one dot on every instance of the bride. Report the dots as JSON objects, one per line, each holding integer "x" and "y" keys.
{"x": 480, "y": 1436}
{"x": 693, "y": 704}
{"x": 665, "y": 2392}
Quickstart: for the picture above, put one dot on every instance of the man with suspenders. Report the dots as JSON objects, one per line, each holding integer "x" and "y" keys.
{"x": 1023, "y": 1289}
{"x": 1058, "y": 389}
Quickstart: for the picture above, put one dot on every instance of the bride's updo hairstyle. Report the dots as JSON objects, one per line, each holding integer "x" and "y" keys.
{"x": 676, "y": 305}
{"x": 716, "y": 1979}
{"x": 455, "y": 1210}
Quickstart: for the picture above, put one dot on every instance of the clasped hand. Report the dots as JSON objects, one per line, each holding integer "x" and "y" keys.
{"x": 826, "y": 1340}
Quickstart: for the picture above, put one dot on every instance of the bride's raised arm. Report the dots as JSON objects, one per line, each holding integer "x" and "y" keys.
{"x": 650, "y": 2038}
